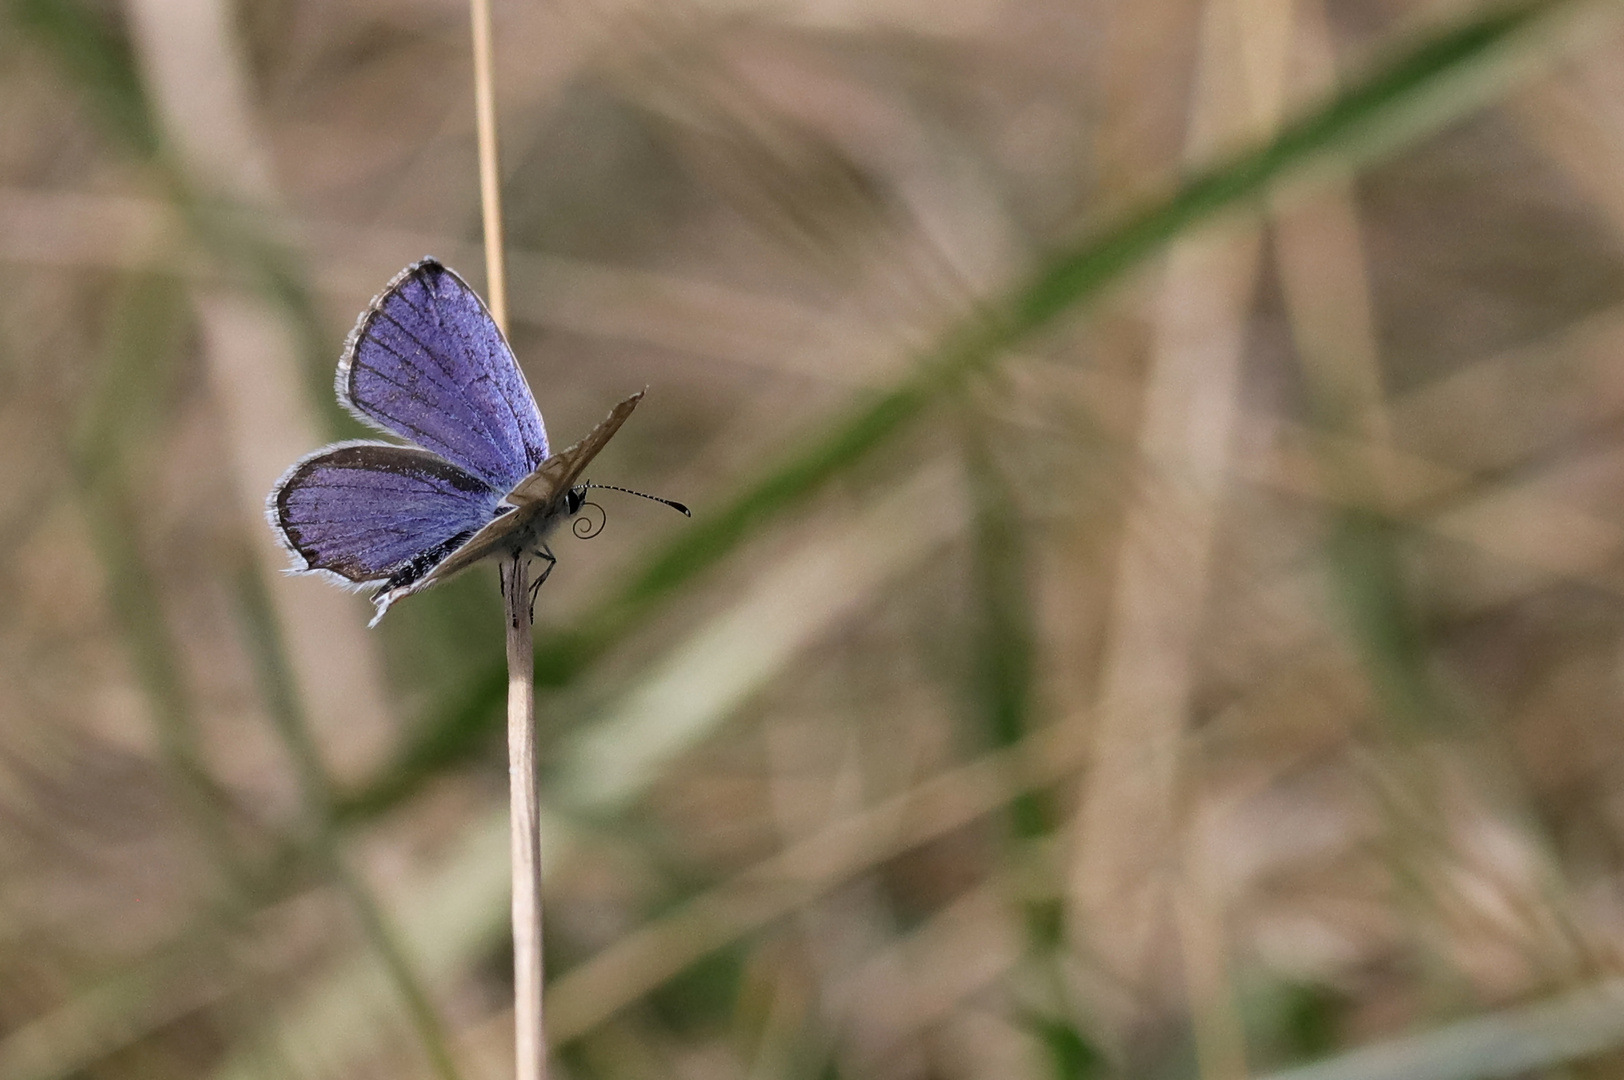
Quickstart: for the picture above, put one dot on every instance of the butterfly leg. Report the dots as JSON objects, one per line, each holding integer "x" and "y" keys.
{"x": 542, "y": 552}
{"x": 508, "y": 577}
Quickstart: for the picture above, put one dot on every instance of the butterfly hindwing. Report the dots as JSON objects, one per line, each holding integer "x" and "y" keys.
{"x": 370, "y": 512}
{"x": 427, "y": 362}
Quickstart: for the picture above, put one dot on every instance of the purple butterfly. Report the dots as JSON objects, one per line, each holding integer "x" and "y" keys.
{"x": 426, "y": 362}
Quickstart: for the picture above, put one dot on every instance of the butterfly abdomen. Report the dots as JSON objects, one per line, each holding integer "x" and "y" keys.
{"x": 422, "y": 563}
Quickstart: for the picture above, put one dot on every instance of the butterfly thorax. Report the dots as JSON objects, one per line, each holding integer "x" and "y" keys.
{"x": 531, "y": 519}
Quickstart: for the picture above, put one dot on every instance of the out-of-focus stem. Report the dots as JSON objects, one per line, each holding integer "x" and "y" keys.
{"x": 490, "y": 173}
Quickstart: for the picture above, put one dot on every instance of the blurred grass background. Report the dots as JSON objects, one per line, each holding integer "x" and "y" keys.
{"x": 1153, "y": 603}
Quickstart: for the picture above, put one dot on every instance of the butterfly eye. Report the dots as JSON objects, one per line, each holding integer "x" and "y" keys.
{"x": 573, "y": 501}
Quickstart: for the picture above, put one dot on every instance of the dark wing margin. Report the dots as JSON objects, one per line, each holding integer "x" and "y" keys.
{"x": 427, "y": 362}
{"x": 368, "y": 512}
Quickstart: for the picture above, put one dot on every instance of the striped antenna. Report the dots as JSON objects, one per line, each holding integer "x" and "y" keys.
{"x": 672, "y": 503}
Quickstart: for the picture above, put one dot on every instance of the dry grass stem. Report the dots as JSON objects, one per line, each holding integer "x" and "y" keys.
{"x": 530, "y": 1040}
{"x": 529, "y": 1034}
{"x": 1154, "y": 598}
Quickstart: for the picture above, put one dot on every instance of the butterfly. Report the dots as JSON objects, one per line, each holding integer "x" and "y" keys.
{"x": 427, "y": 363}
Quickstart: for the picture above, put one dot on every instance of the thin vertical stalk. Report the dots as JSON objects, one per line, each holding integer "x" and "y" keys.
{"x": 490, "y": 173}
{"x": 530, "y": 1043}
{"x": 529, "y": 1040}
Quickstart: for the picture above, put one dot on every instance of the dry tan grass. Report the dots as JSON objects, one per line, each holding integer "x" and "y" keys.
{"x": 1288, "y": 575}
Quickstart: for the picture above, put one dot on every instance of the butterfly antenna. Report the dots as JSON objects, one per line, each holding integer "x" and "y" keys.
{"x": 672, "y": 503}
{"x": 585, "y": 527}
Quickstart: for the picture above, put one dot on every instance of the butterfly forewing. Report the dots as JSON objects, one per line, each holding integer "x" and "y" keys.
{"x": 559, "y": 472}
{"x": 428, "y": 363}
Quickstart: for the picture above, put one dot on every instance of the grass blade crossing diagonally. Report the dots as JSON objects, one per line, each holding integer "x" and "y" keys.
{"x": 1152, "y": 609}
{"x": 1440, "y": 79}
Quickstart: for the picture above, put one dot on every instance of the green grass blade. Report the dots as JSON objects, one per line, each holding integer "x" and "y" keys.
{"x": 144, "y": 335}
{"x": 276, "y": 680}
{"x": 1003, "y": 663}
{"x": 1440, "y": 79}
{"x": 94, "y": 52}
{"x": 1527, "y": 1040}
{"x": 97, "y": 58}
